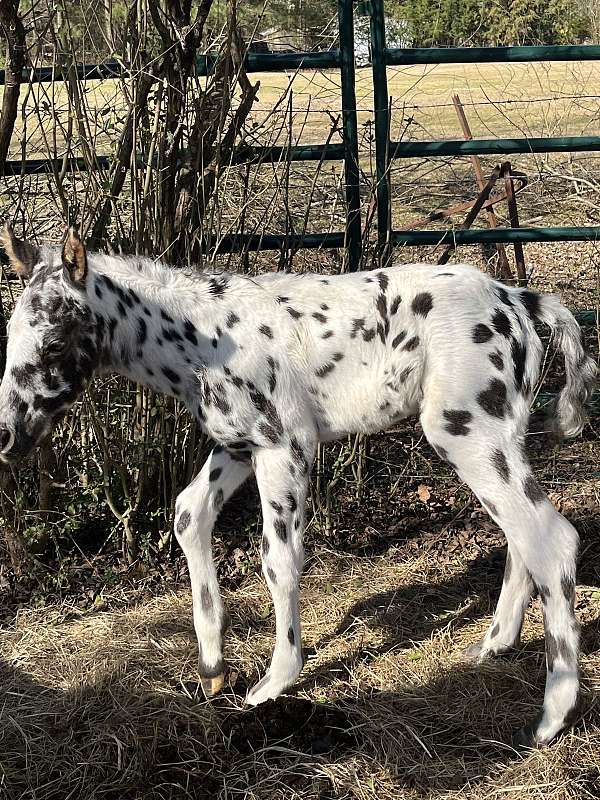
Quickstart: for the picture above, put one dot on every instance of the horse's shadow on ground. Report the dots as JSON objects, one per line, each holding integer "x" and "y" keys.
{"x": 434, "y": 607}
{"x": 465, "y": 714}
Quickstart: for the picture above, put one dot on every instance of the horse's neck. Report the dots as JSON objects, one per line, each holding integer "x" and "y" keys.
{"x": 147, "y": 335}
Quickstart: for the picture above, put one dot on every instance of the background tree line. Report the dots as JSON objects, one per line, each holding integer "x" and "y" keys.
{"x": 99, "y": 29}
{"x": 494, "y": 23}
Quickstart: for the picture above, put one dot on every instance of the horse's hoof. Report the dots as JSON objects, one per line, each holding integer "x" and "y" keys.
{"x": 524, "y": 739}
{"x": 528, "y": 737}
{"x": 212, "y": 686}
{"x": 474, "y": 652}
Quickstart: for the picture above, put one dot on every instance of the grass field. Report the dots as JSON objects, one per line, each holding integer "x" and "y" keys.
{"x": 557, "y": 98}
{"x": 500, "y": 99}
{"x": 100, "y": 697}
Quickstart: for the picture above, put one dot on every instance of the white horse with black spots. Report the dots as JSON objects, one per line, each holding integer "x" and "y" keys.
{"x": 272, "y": 365}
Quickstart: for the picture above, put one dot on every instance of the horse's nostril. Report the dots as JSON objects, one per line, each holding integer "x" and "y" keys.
{"x": 4, "y": 437}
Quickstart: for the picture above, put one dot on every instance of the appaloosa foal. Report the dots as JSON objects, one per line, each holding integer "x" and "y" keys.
{"x": 270, "y": 366}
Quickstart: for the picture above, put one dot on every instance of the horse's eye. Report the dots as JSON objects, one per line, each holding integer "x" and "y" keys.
{"x": 54, "y": 349}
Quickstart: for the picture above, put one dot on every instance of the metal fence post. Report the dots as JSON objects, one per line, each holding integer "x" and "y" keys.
{"x": 382, "y": 122}
{"x": 351, "y": 169}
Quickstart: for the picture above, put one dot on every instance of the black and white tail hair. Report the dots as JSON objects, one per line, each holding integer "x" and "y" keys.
{"x": 568, "y": 413}
{"x": 272, "y": 365}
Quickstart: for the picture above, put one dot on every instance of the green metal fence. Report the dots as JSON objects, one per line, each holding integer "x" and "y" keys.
{"x": 385, "y": 149}
{"x": 382, "y": 57}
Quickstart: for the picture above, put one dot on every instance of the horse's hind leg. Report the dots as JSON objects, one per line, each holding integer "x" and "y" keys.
{"x": 504, "y": 633}
{"x": 488, "y": 456}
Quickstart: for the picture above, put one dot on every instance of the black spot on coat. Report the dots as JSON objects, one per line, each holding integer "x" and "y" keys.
{"x": 281, "y": 529}
{"x": 398, "y": 339}
{"x": 555, "y": 648}
{"x": 497, "y": 360}
{"x": 218, "y": 286}
{"x": 503, "y": 296}
{"x": 501, "y": 465}
{"x": 533, "y": 490}
{"x": 383, "y": 280}
{"x": 206, "y": 599}
{"x": 369, "y": 334}
{"x": 171, "y": 375}
{"x": 482, "y": 334}
{"x": 266, "y": 407}
{"x": 501, "y": 323}
{"x": 142, "y": 330}
{"x": 219, "y": 500}
{"x": 493, "y": 399}
{"x": 323, "y": 371}
{"x": 395, "y": 304}
{"x": 189, "y": 331}
{"x": 457, "y": 421}
{"x": 531, "y": 302}
{"x": 298, "y": 455}
{"x": 519, "y": 357}
{"x": 357, "y": 325}
{"x": 183, "y": 521}
{"x": 422, "y": 304}
{"x": 568, "y": 588}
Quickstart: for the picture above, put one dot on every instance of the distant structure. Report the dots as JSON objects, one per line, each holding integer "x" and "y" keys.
{"x": 278, "y": 39}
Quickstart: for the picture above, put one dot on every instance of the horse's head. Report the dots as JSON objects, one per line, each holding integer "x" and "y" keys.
{"x": 53, "y": 342}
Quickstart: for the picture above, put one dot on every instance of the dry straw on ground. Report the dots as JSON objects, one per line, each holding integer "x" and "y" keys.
{"x": 104, "y": 704}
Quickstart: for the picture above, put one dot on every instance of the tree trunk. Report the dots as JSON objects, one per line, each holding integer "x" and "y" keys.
{"x": 14, "y": 33}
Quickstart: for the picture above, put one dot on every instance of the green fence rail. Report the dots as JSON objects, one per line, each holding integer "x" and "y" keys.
{"x": 489, "y": 55}
{"x": 486, "y": 147}
{"x": 388, "y": 150}
{"x": 461, "y": 236}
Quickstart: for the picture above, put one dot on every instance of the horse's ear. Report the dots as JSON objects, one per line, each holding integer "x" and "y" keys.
{"x": 22, "y": 256}
{"x": 74, "y": 258}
